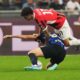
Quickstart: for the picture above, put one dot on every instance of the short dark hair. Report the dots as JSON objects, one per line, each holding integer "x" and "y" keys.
{"x": 26, "y": 11}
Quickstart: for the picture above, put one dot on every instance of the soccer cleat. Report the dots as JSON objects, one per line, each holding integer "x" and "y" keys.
{"x": 53, "y": 67}
{"x": 33, "y": 67}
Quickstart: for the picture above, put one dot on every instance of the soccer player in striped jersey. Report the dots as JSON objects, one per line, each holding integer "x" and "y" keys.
{"x": 53, "y": 50}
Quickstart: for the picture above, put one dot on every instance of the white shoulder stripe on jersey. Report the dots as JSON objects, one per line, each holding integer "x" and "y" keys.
{"x": 51, "y": 22}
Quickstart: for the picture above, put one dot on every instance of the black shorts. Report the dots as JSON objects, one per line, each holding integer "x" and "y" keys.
{"x": 55, "y": 52}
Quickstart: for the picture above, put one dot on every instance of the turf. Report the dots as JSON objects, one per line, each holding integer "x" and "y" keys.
{"x": 12, "y": 68}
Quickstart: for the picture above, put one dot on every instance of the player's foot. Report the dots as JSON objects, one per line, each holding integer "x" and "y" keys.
{"x": 53, "y": 67}
{"x": 33, "y": 67}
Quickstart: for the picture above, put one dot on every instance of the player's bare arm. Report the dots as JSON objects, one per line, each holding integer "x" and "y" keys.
{"x": 47, "y": 33}
{"x": 33, "y": 36}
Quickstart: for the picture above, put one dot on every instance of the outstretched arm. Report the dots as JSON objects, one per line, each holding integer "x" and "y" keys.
{"x": 34, "y": 36}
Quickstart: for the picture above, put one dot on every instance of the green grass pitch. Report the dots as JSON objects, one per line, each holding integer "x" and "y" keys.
{"x": 12, "y": 68}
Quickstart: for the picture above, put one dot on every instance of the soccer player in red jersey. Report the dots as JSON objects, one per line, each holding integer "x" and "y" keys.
{"x": 49, "y": 17}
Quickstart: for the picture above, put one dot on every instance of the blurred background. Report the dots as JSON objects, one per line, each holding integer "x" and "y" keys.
{"x": 13, "y": 52}
{"x": 10, "y": 20}
{"x": 56, "y": 4}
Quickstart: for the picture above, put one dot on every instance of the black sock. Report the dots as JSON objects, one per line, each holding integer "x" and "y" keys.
{"x": 33, "y": 58}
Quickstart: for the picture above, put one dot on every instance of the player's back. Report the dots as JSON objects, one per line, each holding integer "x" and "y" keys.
{"x": 49, "y": 17}
{"x": 45, "y": 14}
{"x": 54, "y": 39}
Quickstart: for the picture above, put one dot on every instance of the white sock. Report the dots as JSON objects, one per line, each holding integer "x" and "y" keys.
{"x": 74, "y": 41}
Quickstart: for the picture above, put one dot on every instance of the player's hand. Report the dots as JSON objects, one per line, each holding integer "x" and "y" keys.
{"x": 7, "y": 36}
{"x": 35, "y": 35}
{"x": 41, "y": 37}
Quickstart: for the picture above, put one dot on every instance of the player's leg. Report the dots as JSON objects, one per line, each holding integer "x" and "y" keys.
{"x": 74, "y": 41}
{"x": 50, "y": 51}
{"x": 52, "y": 64}
{"x": 33, "y": 55}
{"x": 45, "y": 51}
{"x": 56, "y": 59}
{"x": 66, "y": 35}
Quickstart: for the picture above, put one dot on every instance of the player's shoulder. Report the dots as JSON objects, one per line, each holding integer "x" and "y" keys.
{"x": 37, "y": 9}
{"x": 38, "y": 12}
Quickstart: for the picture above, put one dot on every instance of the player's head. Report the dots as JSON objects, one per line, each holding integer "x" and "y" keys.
{"x": 27, "y": 13}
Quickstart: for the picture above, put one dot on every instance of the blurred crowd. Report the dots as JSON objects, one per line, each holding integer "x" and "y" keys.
{"x": 70, "y": 5}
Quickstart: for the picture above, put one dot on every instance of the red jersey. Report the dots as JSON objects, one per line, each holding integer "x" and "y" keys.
{"x": 49, "y": 17}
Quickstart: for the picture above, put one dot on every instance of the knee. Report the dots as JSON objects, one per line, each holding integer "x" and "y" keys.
{"x": 66, "y": 43}
{"x": 36, "y": 52}
{"x": 30, "y": 52}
